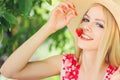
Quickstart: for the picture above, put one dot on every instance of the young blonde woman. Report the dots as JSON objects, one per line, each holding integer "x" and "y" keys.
{"x": 97, "y": 47}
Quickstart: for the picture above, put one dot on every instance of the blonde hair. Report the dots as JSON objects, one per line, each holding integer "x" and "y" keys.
{"x": 109, "y": 49}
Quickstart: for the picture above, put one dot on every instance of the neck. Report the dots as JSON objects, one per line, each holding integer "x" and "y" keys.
{"x": 88, "y": 59}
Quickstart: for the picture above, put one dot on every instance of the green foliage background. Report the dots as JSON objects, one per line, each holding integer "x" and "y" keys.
{"x": 19, "y": 19}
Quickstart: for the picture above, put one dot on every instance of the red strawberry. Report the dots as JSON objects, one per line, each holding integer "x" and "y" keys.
{"x": 79, "y": 32}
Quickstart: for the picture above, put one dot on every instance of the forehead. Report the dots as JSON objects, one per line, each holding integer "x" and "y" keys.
{"x": 96, "y": 11}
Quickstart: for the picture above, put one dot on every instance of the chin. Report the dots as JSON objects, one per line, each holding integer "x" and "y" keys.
{"x": 87, "y": 47}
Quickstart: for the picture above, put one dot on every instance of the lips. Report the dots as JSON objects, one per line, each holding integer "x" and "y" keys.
{"x": 86, "y": 37}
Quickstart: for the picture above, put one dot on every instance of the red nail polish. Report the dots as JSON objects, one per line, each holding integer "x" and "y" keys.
{"x": 79, "y": 32}
{"x": 74, "y": 6}
{"x": 76, "y": 13}
{"x": 69, "y": 6}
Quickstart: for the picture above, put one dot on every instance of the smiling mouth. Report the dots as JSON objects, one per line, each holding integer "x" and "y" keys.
{"x": 86, "y": 37}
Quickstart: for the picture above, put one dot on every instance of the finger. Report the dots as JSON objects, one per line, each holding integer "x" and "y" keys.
{"x": 70, "y": 4}
{"x": 58, "y": 10}
{"x": 71, "y": 15}
{"x": 66, "y": 6}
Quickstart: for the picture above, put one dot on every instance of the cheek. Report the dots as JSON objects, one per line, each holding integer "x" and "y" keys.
{"x": 98, "y": 37}
{"x": 93, "y": 44}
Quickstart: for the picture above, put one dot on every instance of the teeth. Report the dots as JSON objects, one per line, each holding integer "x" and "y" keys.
{"x": 85, "y": 36}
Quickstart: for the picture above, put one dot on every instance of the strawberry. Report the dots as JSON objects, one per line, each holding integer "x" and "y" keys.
{"x": 79, "y": 32}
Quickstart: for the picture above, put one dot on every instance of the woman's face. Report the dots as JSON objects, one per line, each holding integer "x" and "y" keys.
{"x": 93, "y": 25}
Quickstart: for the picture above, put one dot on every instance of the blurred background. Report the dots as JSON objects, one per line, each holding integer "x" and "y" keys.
{"x": 19, "y": 19}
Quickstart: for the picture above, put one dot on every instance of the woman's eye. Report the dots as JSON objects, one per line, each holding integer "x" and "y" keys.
{"x": 100, "y": 25}
{"x": 85, "y": 20}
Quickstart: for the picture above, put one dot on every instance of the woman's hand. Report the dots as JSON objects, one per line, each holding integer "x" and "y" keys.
{"x": 116, "y": 75}
{"x": 61, "y": 15}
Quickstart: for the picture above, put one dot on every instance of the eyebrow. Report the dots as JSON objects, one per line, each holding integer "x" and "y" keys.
{"x": 95, "y": 19}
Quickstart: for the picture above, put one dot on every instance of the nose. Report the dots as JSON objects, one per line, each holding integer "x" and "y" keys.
{"x": 87, "y": 27}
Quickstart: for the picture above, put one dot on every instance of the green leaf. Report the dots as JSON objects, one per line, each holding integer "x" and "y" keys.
{"x": 25, "y": 6}
{"x": 1, "y": 34}
{"x": 10, "y": 18}
{"x": 49, "y": 1}
{"x": 1, "y": 11}
{"x": 4, "y": 24}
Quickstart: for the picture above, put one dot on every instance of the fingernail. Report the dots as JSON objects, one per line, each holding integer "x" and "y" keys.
{"x": 69, "y": 6}
{"x": 76, "y": 13}
{"x": 73, "y": 5}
